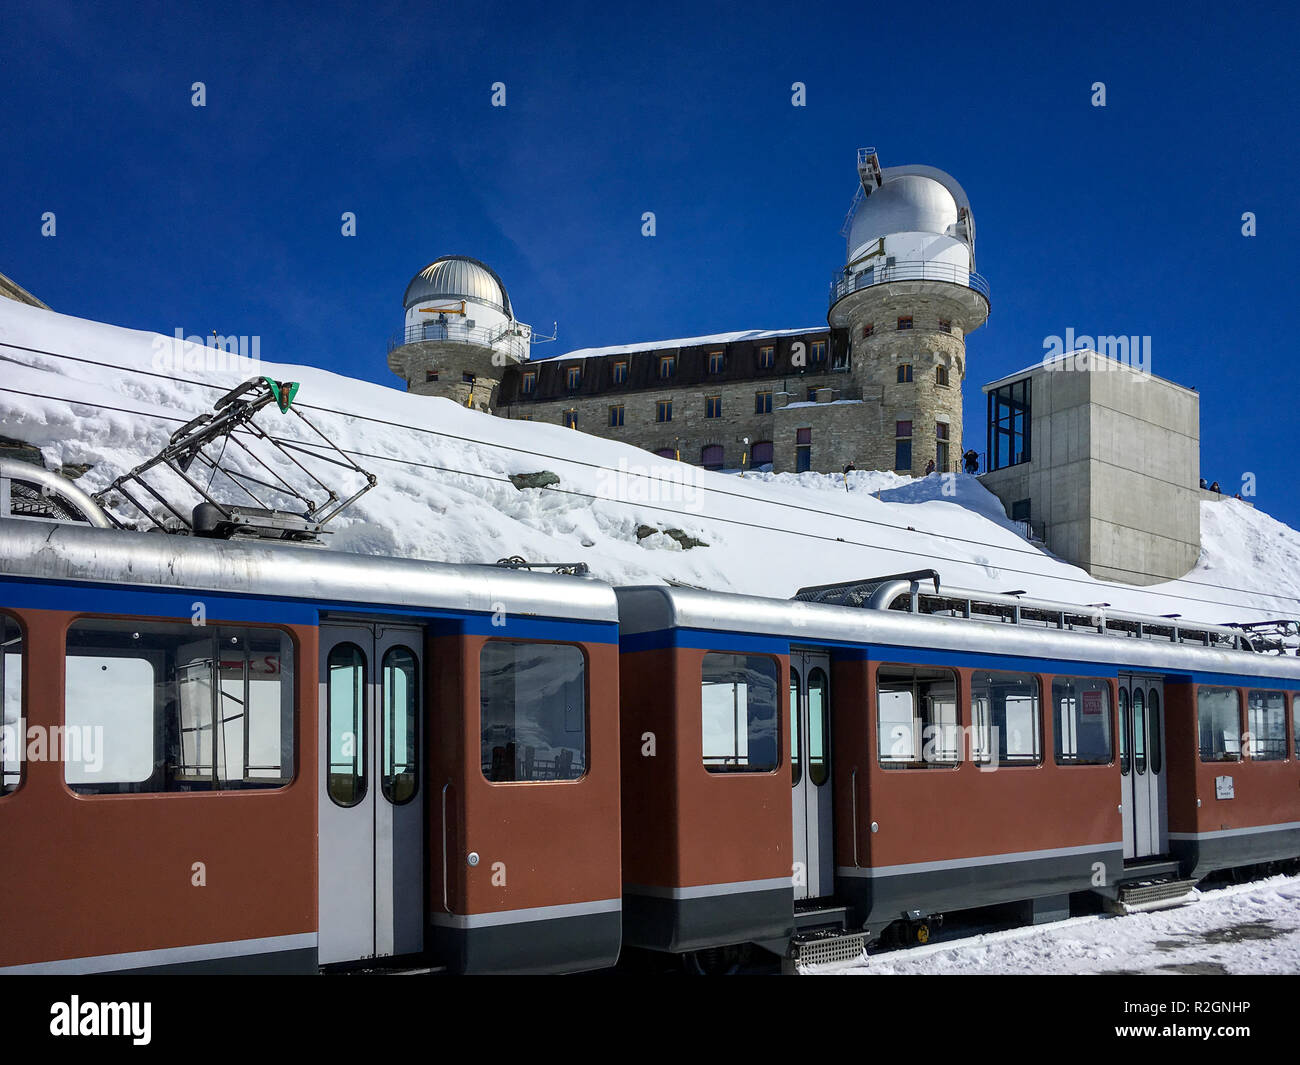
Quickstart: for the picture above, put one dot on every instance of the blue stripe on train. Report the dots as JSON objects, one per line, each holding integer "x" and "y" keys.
{"x": 90, "y": 598}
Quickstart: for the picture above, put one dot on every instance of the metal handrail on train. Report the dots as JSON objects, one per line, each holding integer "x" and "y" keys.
{"x": 903, "y": 592}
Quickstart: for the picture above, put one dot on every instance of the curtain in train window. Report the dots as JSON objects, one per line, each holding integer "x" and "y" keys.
{"x": 156, "y": 706}
{"x": 13, "y": 726}
{"x": 1082, "y": 713}
{"x": 916, "y": 718}
{"x": 532, "y": 711}
{"x": 1218, "y": 720}
{"x": 739, "y": 713}
{"x": 1006, "y": 725}
{"x": 1266, "y": 723}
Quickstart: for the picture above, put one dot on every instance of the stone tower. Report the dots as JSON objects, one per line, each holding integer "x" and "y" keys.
{"x": 907, "y": 296}
{"x": 459, "y": 333}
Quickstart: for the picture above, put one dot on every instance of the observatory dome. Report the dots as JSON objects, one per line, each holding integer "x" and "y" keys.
{"x": 908, "y": 203}
{"x": 458, "y": 277}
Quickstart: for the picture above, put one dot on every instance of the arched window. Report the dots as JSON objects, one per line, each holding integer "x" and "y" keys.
{"x": 760, "y": 454}
{"x": 711, "y": 457}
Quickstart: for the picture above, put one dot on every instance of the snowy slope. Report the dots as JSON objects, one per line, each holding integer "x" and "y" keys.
{"x": 444, "y": 493}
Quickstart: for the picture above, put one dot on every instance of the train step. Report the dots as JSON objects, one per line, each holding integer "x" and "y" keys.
{"x": 819, "y": 917}
{"x": 823, "y": 947}
{"x": 1140, "y": 896}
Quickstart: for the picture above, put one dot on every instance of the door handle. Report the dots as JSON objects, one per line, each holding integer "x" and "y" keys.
{"x": 853, "y": 795}
{"x": 446, "y": 904}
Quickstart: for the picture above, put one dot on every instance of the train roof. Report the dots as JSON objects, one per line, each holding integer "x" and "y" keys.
{"x": 646, "y": 609}
{"x": 59, "y": 551}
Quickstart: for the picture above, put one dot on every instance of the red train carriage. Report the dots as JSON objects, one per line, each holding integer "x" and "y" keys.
{"x": 229, "y": 757}
{"x": 937, "y": 752}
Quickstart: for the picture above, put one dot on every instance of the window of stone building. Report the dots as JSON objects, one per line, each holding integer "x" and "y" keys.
{"x": 616, "y": 414}
{"x": 766, "y": 358}
{"x": 530, "y": 382}
{"x": 715, "y": 362}
{"x": 941, "y": 375}
{"x": 620, "y": 372}
{"x": 467, "y": 378}
{"x": 905, "y": 322}
{"x": 941, "y": 446}
{"x": 762, "y": 402}
{"x": 431, "y": 375}
{"x": 667, "y": 453}
{"x": 711, "y": 456}
{"x": 868, "y": 329}
{"x": 902, "y": 445}
{"x": 819, "y": 351}
{"x": 574, "y": 376}
{"x": 524, "y": 417}
{"x": 713, "y": 406}
{"x": 571, "y": 419}
{"x": 904, "y": 372}
{"x": 812, "y": 394}
{"x": 945, "y": 325}
{"x": 761, "y": 454}
{"x": 802, "y": 450}
{"x": 664, "y": 410}
{"x": 667, "y": 365}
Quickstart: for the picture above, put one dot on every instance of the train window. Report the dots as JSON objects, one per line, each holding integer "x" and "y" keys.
{"x": 1082, "y": 717}
{"x": 819, "y": 766}
{"x": 1218, "y": 721}
{"x": 166, "y": 706}
{"x": 532, "y": 711}
{"x": 916, "y": 724}
{"x": 1123, "y": 732}
{"x": 1139, "y": 732}
{"x": 1153, "y": 727}
{"x": 796, "y": 766}
{"x": 1266, "y": 725}
{"x": 346, "y": 725}
{"x": 739, "y": 717}
{"x": 13, "y": 726}
{"x": 1295, "y": 726}
{"x": 399, "y": 726}
{"x": 1005, "y": 719}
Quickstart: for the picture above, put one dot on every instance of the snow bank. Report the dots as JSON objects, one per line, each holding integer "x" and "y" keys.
{"x": 444, "y": 491}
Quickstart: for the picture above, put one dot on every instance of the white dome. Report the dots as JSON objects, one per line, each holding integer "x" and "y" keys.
{"x": 909, "y": 203}
{"x": 458, "y": 277}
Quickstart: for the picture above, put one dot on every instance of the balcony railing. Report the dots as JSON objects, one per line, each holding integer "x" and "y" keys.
{"x": 501, "y": 338}
{"x": 909, "y": 270}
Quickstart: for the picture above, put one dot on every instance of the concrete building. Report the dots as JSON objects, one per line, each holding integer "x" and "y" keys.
{"x": 878, "y": 387}
{"x": 1102, "y": 461}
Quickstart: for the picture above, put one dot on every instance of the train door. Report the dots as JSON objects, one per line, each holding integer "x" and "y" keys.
{"x": 1142, "y": 765}
{"x": 810, "y": 767}
{"x": 372, "y": 831}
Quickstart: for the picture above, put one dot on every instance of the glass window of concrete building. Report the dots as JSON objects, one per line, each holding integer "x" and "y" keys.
{"x": 766, "y": 358}
{"x": 711, "y": 456}
{"x": 667, "y": 365}
{"x": 1266, "y": 723}
{"x": 904, "y": 373}
{"x": 1009, "y": 422}
{"x": 713, "y": 406}
{"x": 664, "y": 410}
{"x": 529, "y": 383}
{"x": 763, "y": 403}
{"x": 574, "y": 376}
{"x": 1218, "y": 719}
{"x": 571, "y": 419}
{"x": 619, "y": 372}
{"x": 715, "y": 362}
{"x": 616, "y": 414}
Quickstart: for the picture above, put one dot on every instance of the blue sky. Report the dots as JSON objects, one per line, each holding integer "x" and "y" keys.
{"x": 1124, "y": 219}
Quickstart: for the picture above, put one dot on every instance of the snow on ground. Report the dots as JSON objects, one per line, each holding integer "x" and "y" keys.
{"x": 444, "y": 491}
{"x": 1248, "y": 928}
